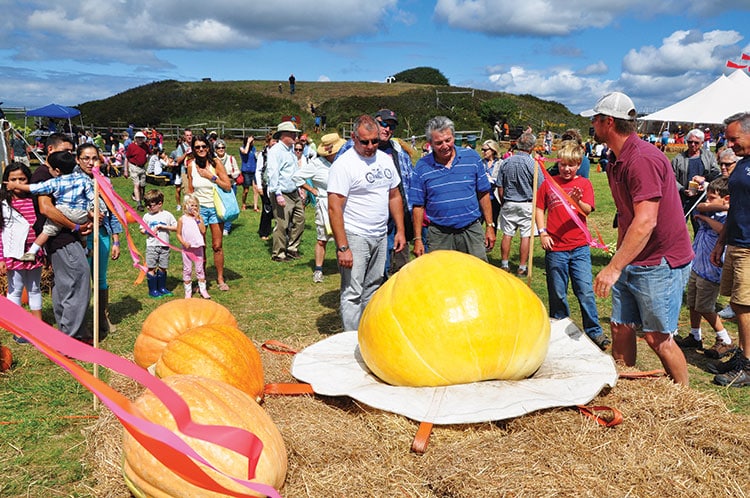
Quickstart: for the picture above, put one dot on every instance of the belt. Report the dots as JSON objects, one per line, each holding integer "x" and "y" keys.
{"x": 454, "y": 230}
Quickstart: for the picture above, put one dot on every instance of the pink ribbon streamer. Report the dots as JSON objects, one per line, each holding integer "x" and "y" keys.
{"x": 56, "y": 346}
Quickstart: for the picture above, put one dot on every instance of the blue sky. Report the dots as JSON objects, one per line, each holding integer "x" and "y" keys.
{"x": 73, "y": 51}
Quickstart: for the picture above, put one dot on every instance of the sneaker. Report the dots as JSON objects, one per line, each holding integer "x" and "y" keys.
{"x": 179, "y": 208}
{"x": 689, "y": 342}
{"x": 293, "y": 255}
{"x": 505, "y": 268}
{"x": 279, "y": 259}
{"x": 720, "y": 349}
{"x": 29, "y": 257}
{"x": 727, "y": 313}
{"x": 721, "y": 367}
{"x": 522, "y": 272}
{"x": 317, "y": 276}
{"x": 602, "y": 341}
{"x": 226, "y": 232}
{"x": 739, "y": 377}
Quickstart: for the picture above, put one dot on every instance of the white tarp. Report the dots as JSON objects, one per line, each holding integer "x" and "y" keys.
{"x": 573, "y": 373}
{"x": 712, "y": 105}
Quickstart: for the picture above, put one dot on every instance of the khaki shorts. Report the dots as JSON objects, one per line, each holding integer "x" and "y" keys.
{"x": 516, "y": 216}
{"x": 735, "y": 275}
{"x": 137, "y": 175}
{"x": 701, "y": 294}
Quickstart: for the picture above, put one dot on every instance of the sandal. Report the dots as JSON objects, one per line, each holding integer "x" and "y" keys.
{"x": 223, "y": 286}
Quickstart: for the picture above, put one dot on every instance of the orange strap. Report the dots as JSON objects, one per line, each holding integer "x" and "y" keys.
{"x": 642, "y": 375}
{"x": 289, "y": 389}
{"x": 422, "y": 438}
{"x": 590, "y": 411}
{"x": 278, "y": 347}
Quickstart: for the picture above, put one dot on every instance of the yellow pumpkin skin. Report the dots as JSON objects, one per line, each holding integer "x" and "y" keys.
{"x": 211, "y": 402}
{"x": 172, "y": 319}
{"x": 450, "y": 318}
{"x": 220, "y": 352}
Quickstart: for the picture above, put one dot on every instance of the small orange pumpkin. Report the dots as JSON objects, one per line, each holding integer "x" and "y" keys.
{"x": 172, "y": 319}
{"x": 211, "y": 402}
{"x": 220, "y": 352}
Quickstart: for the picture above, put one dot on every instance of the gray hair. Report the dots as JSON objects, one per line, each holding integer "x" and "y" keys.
{"x": 439, "y": 123}
{"x": 743, "y": 118}
{"x": 366, "y": 122}
{"x": 695, "y": 132}
{"x": 728, "y": 154}
{"x": 526, "y": 142}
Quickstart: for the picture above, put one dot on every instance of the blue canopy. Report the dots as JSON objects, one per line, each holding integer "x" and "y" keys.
{"x": 54, "y": 111}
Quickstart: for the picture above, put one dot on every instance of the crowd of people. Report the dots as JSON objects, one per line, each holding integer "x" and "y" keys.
{"x": 381, "y": 209}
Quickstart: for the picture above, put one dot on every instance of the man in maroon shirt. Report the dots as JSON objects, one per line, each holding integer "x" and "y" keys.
{"x": 135, "y": 166}
{"x": 649, "y": 271}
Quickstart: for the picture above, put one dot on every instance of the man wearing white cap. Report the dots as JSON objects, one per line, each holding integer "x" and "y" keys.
{"x": 649, "y": 271}
{"x": 136, "y": 156}
{"x": 288, "y": 206}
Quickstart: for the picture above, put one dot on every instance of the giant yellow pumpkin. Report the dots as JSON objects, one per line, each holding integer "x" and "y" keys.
{"x": 172, "y": 319}
{"x": 220, "y": 352}
{"x": 450, "y": 318}
{"x": 211, "y": 402}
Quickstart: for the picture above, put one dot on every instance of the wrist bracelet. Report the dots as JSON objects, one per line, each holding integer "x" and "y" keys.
{"x": 116, "y": 243}
{"x": 77, "y": 228}
{"x": 213, "y": 178}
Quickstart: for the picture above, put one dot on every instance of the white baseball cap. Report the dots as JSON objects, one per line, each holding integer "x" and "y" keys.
{"x": 615, "y": 104}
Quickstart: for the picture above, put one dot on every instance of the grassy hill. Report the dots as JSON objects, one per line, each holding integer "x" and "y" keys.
{"x": 259, "y": 104}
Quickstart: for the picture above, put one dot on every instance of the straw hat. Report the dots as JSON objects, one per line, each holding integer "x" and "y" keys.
{"x": 330, "y": 144}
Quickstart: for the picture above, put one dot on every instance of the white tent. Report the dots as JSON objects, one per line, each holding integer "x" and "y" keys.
{"x": 711, "y": 105}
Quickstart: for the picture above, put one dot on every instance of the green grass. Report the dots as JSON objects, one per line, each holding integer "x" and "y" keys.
{"x": 41, "y": 453}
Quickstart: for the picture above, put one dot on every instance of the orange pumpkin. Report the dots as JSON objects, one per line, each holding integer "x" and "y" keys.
{"x": 211, "y": 402}
{"x": 450, "y": 318}
{"x": 172, "y": 319}
{"x": 220, "y": 352}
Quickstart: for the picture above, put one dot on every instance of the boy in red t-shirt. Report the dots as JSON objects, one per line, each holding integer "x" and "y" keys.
{"x": 567, "y": 251}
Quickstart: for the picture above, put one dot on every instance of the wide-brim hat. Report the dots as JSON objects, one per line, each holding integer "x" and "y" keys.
{"x": 140, "y": 134}
{"x": 615, "y": 104}
{"x": 285, "y": 126}
{"x": 330, "y": 143}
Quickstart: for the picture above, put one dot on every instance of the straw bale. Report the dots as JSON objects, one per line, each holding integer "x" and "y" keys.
{"x": 674, "y": 441}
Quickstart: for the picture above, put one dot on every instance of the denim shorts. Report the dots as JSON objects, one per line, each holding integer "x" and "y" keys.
{"x": 649, "y": 296}
{"x": 209, "y": 216}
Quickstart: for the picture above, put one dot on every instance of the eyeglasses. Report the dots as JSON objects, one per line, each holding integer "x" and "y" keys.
{"x": 386, "y": 124}
{"x": 200, "y": 147}
{"x": 374, "y": 141}
{"x": 693, "y": 142}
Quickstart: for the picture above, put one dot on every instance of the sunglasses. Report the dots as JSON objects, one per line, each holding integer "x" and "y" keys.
{"x": 374, "y": 141}
{"x": 298, "y": 150}
{"x": 693, "y": 142}
{"x": 486, "y": 149}
{"x": 219, "y": 148}
{"x": 385, "y": 124}
{"x": 728, "y": 164}
{"x": 200, "y": 147}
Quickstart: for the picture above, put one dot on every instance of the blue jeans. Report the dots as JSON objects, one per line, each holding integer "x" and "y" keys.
{"x": 575, "y": 264}
{"x": 650, "y": 296}
{"x": 360, "y": 282}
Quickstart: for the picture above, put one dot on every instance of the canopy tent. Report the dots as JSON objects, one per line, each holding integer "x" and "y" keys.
{"x": 56, "y": 111}
{"x": 711, "y": 105}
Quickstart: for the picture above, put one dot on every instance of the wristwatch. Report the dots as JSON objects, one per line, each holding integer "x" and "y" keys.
{"x": 342, "y": 249}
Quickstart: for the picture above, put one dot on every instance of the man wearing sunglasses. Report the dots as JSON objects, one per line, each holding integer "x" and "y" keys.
{"x": 696, "y": 166}
{"x": 363, "y": 189}
{"x": 387, "y": 122}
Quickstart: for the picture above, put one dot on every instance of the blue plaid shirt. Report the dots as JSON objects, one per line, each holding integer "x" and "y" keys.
{"x": 75, "y": 190}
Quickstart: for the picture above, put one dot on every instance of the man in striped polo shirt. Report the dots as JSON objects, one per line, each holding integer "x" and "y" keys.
{"x": 451, "y": 187}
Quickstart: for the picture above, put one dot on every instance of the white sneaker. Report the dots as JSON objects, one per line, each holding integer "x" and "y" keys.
{"x": 179, "y": 208}
{"x": 727, "y": 313}
{"x": 226, "y": 232}
{"x": 317, "y": 276}
{"x": 29, "y": 257}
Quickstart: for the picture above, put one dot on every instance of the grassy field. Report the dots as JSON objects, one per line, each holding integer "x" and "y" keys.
{"x": 43, "y": 410}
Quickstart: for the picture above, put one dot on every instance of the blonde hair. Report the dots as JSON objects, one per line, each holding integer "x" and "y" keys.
{"x": 570, "y": 152}
{"x": 492, "y": 145}
{"x": 188, "y": 198}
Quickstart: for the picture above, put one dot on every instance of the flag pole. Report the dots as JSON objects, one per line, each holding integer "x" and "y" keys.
{"x": 95, "y": 276}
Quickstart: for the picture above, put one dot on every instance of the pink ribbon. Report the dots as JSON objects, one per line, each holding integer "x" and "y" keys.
{"x": 164, "y": 444}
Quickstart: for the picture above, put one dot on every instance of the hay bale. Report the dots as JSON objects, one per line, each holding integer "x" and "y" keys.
{"x": 674, "y": 441}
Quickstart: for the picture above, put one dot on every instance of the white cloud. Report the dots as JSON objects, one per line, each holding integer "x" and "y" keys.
{"x": 682, "y": 51}
{"x": 597, "y": 68}
{"x": 323, "y": 78}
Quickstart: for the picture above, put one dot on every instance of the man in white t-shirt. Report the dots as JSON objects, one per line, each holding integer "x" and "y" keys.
{"x": 362, "y": 191}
